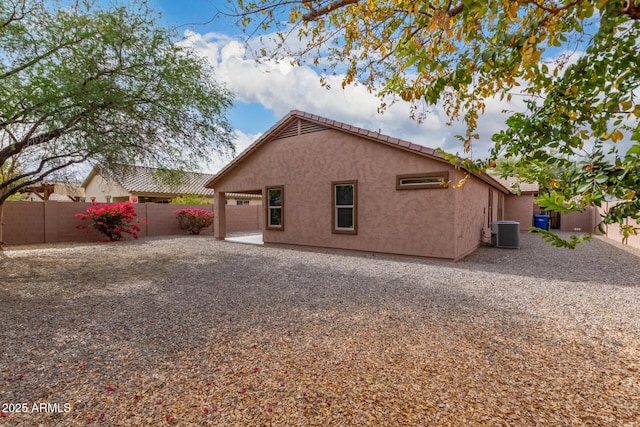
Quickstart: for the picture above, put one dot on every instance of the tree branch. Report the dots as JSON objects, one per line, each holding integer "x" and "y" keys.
{"x": 456, "y": 10}
{"x": 13, "y": 149}
{"x": 316, "y": 13}
{"x": 7, "y": 192}
{"x": 39, "y": 58}
{"x": 12, "y": 18}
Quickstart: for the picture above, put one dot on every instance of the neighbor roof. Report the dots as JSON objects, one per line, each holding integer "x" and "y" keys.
{"x": 514, "y": 185}
{"x": 141, "y": 179}
{"x": 283, "y": 129}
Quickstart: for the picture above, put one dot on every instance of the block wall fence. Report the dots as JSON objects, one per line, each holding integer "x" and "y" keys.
{"x": 55, "y": 222}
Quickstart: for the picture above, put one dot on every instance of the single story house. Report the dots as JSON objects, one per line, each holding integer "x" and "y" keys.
{"x": 143, "y": 184}
{"x": 329, "y": 184}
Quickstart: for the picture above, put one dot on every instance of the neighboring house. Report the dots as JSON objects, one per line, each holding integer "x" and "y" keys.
{"x": 243, "y": 199}
{"x": 328, "y": 184}
{"x": 144, "y": 185}
{"x": 54, "y": 191}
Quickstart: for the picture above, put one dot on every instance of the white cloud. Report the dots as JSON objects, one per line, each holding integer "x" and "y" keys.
{"x": 242, "y": 141}
{"x": 282, "y": 87}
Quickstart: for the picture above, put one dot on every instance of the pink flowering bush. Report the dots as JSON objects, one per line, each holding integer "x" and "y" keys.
{"x": 194, "y": 220}
{"x": 111, "y": 220}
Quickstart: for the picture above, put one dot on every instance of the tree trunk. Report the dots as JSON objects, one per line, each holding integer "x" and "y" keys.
{"x": 1, "y": 225}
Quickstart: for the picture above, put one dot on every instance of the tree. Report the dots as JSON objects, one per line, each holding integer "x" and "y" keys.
{"x": 531, "y": 172}
{"x": 80, "y": 83}
{"x": 460, "y": 53}
{"x": 190, "y": 199}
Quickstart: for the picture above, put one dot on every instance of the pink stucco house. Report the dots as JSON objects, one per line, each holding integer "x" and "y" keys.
{"x": 329, "y": 184}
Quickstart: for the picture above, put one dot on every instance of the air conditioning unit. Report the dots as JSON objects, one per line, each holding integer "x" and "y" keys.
{"x": 505, "y": 234}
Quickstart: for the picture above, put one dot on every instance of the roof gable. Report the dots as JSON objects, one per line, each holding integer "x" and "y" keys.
{"x": 297, "y": 123}
{"x": 299, "y": 126}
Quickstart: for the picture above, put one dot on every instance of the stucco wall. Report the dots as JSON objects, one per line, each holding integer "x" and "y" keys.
{"x": 99, "y": 188}
{"x": 411, "y": 222}
{"x": 472, "y": 214}
{"x": 519, "y": 208}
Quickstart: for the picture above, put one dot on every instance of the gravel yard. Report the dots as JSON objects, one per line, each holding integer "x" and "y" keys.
{"x": 190, "y": 331}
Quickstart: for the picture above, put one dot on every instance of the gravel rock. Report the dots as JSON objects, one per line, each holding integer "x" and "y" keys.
{"x": 192, "y": 331}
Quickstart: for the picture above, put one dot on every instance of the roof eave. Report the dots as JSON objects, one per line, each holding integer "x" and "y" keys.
{"x": 353, "y": 130}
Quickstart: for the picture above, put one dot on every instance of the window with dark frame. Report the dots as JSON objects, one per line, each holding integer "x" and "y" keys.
{"x": 242, "y": 202}
{"x": 428, "y": 180}
{"x": 274, "y": 210}
{"x": 345, "y": 213}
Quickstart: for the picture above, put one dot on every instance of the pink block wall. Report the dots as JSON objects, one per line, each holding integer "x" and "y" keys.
{"x": 244, "y": 218}
{"x": 23, "y": 223}
{"x": 53, "y": 222}
{"x": 584, "y": 221}
{"x": 613, "y": 231}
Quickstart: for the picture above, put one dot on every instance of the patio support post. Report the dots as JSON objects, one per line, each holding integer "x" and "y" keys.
{"x": 219, "y": 219}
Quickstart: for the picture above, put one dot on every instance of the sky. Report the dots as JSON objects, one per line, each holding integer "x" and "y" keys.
{"x": 264, "y": 93}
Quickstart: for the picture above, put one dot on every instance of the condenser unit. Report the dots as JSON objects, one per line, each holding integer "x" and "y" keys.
{"x": 505, "y": 234}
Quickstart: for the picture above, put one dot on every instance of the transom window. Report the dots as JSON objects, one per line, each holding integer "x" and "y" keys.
{"x": 431, "y": 180}
{"x": 345, "y": 214}
{"x": 275, "y": 205}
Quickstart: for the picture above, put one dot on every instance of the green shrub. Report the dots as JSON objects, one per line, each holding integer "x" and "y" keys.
{"x": 191, "y": 199}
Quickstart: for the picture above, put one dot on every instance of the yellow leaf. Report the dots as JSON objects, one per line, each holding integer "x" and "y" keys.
{"x": 513, "y": 10}
{"x": 617, "y": 136}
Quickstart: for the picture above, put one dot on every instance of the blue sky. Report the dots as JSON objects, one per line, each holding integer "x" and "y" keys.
{"x": 266, "y": 92}
{"x": 201, "y": 16}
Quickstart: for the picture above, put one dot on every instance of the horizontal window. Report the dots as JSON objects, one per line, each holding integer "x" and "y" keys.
{"x": 422, "y": 181}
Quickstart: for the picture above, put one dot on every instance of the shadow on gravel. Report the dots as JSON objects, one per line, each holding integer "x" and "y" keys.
{"x": 598, "y": 261}
{"x": 601, "y": 260}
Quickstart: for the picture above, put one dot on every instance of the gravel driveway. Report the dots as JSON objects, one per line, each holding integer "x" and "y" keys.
{"x": 191, "y": 331}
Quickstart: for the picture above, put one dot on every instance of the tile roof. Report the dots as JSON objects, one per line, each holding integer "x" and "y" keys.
{"x": 513, "y": 185}
{"x": 140, "y": 179}
{"x": 285, "y": 122}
